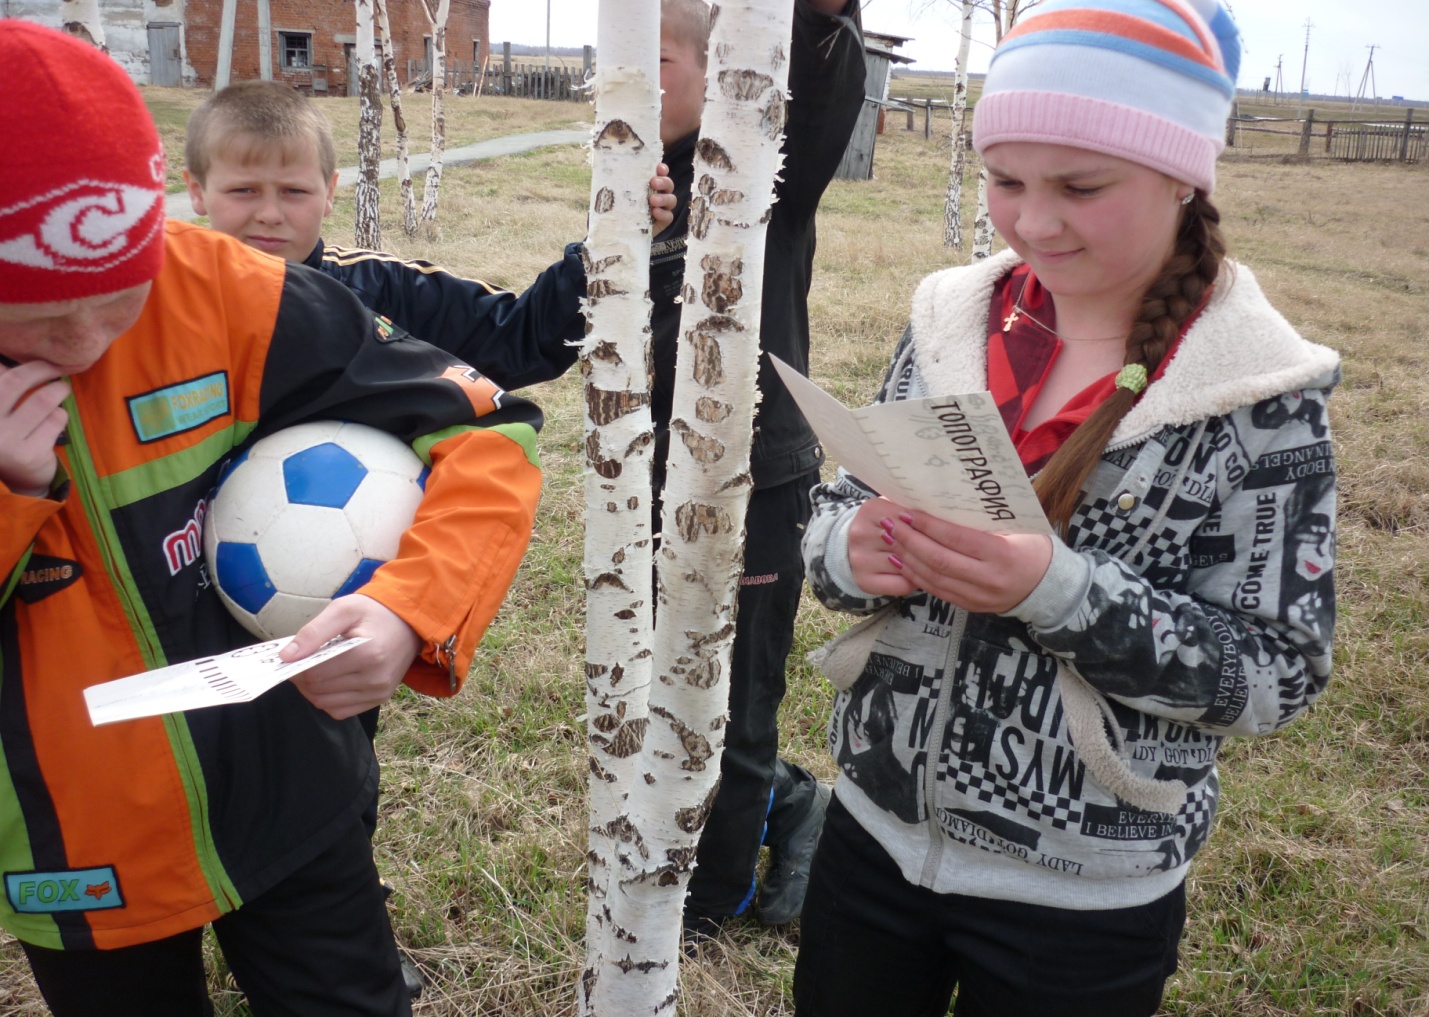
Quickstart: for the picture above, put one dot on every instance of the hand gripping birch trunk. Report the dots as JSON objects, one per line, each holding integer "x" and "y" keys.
{"x": 399, "y": 119}
{"x": 367, "y": 224}
{"x": 953, "y": 204}
{"x": 706, "y": 491}
{"x": 619, "y": 557}
{"x": 433, "y": 184}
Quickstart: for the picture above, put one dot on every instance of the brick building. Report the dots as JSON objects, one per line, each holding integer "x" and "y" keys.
{"x": 312, "y": 42}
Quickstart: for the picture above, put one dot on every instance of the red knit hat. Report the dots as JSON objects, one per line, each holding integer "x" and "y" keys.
{"x": 82, "y": 182}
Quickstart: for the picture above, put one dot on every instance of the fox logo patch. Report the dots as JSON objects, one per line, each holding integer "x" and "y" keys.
{"x": 47, "y": 893}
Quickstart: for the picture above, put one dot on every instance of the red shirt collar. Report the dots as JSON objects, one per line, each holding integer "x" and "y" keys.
{"x": 1019, "y": 356}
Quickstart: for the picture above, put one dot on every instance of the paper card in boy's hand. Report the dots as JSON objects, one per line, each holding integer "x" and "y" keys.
{"x": 949, "y": 456}
{"x": 234, "y": 677}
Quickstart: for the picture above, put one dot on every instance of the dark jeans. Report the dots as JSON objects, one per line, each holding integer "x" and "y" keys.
{"x": 317, "y": 945}
{"x": 723, "y": 879}
{"x": 873, "y": 943}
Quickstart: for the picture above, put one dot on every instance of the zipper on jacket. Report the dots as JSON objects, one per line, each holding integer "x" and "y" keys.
{"x": 931, "y": 778}
{"x": 86, "y": 478}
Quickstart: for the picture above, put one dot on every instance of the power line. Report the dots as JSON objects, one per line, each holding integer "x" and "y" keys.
{"x": 1368, "y": 76}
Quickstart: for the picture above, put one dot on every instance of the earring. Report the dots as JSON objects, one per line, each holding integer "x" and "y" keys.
{"x": 1187, "y": 199}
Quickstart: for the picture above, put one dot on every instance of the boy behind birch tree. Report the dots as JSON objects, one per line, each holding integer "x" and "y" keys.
{"x": 826, "y": 84}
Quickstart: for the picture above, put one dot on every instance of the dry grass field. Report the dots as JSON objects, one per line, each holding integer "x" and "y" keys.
{"x": 1312, "y": 898}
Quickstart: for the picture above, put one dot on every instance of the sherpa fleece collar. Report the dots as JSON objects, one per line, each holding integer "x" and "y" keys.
{"x": 1239, "y": 351}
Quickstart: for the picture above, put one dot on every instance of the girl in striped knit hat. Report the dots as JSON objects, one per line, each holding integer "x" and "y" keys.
{"x": 1027, "y": 726}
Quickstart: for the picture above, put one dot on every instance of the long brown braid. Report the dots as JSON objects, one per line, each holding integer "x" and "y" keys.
{"x": 1169, "y": 301}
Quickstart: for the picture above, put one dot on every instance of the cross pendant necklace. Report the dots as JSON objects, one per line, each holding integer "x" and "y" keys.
{"x": 1019, "y": 312}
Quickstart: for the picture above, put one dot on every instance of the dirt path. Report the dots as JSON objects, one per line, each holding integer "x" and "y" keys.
{"x": 176, "y": 206}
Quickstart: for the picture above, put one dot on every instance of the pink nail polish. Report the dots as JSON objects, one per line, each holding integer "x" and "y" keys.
{"x": 887, "y": 538}
{"x": 886, "y": 523}
{"x": 907, "y": 517}
{"x": 897, "y": 562}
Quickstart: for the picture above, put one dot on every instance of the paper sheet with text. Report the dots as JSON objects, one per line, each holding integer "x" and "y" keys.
{"x": 950, "y": 456}
{"x": 234, "y": 677}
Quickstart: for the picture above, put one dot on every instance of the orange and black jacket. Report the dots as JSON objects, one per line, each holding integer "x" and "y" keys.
{"x": 127, "y": 833}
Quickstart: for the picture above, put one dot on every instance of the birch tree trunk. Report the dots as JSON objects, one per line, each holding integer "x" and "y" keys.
{"x": 399, "y": 119}
{"x": 432, "y": 186}
{"x": 619, "y": 558}
{"x": 367, "y": 224}
{"x": 706, "y": 491}
{"x": 82, "y": 19}
{"x": 1004, "y": 16}
{"x": 982, "y": 224}
{"x": 953, "y": 204}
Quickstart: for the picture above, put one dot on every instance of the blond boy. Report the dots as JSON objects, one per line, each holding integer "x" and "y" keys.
{"x": 260, "y": 163}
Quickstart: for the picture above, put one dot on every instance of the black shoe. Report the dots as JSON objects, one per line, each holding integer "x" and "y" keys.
{"x": 698, "y": 931}
{"x": 411, "y": 976}
{"x": 781, "y": 900}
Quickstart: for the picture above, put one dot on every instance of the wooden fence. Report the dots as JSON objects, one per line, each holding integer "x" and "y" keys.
{"x": 535, "y": 81}
{"x": 497, "y": 75}
{"x": 460, "y": 77}
{"x": 922, "y": 110}
{"x": 1363, "y": 138}
{"x": 1341, "y": 138}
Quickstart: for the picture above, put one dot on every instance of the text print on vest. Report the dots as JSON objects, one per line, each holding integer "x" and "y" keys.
{"x": 64, "y": 890}
{"x": 45, "y": 575}
{"x": 185, "y": 545}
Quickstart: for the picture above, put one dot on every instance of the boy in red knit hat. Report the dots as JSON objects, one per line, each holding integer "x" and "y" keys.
{"x": 135, "y": 356}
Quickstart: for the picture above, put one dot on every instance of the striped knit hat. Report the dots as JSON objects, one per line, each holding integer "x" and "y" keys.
{"x": 1150, "y": 81}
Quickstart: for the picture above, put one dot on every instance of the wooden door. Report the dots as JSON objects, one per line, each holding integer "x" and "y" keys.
{"x": 166, "y": 65}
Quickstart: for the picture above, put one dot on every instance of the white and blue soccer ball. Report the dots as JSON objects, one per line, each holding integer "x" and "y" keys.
{"x": 305, "y": 515}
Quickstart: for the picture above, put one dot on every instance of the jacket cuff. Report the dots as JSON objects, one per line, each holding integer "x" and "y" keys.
{"x": 836, "y": 561}
{"x": 1061, "y": 591}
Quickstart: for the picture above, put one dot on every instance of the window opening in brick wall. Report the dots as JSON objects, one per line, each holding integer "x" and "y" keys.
{"x": 297, "y": 49}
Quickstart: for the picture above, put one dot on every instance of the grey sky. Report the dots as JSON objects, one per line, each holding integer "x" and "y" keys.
{"x": 1272, "y": 30}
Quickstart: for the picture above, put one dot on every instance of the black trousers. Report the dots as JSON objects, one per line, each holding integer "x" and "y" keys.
{"x": 318, "y": 944}
{"x": 723, "y": 880}
{"x": 873, "y": 943}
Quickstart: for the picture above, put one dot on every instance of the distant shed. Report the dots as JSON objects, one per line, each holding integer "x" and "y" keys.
{"x": 878, "y": 55}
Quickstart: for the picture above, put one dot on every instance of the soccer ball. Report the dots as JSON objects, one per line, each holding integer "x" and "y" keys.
{"x": 305, "y": 515}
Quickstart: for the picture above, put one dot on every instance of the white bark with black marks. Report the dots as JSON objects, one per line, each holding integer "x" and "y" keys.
{"x": 83, "y": 20}
{"x": 399, "y": 120}
{"x": 367, "y": 224}
{"x": 953, "y": 203}
{"x": 438, "y": 20}
{"x": 619, "y": 553}
{"x": 706, "y": 491}
{"x": 982, "y": 224}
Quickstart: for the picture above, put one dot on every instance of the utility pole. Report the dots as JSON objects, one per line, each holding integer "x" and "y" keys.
{"x": 1300, "y": 99}
{"x": 1367, "y": 77}
{"x": 548, "y": 40}
{"x": 1279, "y": 84}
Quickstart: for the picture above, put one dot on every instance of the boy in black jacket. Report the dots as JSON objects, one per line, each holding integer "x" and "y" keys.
{"x": 260, "y": 163}
{"x": 826, "y": 85}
